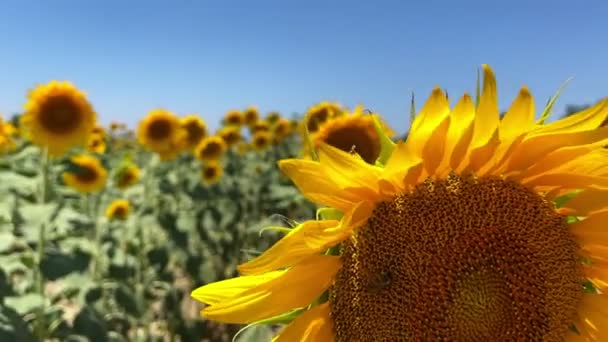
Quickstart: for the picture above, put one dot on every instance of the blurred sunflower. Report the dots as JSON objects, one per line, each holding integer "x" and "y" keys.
{"x": 98, "y": 130}
{"x": 261, "y": 140}
{"x": 159, "y": 131}
{"x": 96, "y": 144}
{"x": 259, "y": 126}
{"x": 281, "y": 129}
{"x": 319, "y": 113}
{"x": 459, "y": 233}
{"x": 195, "y": 130}
{"x": 118, "y": 210}
{"x": 211, "y": 173}
{"x": 352, "y": 133}
{"x": 230, "y": 134}
{"x": 85, "y": 174}
{"x": 127, "y": 174}
{"x": 233, "y": 118}
{"x": 251, "y": 116}
{"x": 210, "y": 148}
{"x": 58, "y": 116}
{"x": 272, "y": 117}
{"x": 115, "y": 126}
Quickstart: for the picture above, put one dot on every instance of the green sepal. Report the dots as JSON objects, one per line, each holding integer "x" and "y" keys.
{"x": 386, "y": 144}
{"x": 562, "y": 200}
{"x": 329, "y": 214}
{"x": 547, "y": 111}
{"x": 276, "y": 228}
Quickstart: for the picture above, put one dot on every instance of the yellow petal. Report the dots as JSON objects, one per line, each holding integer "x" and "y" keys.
{"x": 519, "y": 118}
{"x": 432, "y": 153}
{"x": 298, "y": 287}
{"x": 312, "y": 326}
{"x": 552, "y": 161}
{"x": 593, "y": 311}
{"x": 567, "y": 181}
{"x": 487, "y": 115}
{"x": 461, "y": 118}
{"x": 308, "y": 238}
{"x": 588, "y": 119}
{"x": 222, "y": 290}
{"x": 399, "y": 164}
{"x": 588, "y": 201}
{"x": 592, "y": 230}
{"x": 459, "y": 155}
{"x": 431, "y": 115}
{"x": 481, "y": 157}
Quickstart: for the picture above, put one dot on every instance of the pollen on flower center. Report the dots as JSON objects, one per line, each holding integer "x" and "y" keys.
{"x": 462, "y": 259}
{"x": 60, "y": 115}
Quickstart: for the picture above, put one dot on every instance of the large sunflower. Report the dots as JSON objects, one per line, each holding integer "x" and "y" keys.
{"x": 352, "y": 133}
{"x": 85, "y": 174}
{"x": 58, "y": 116}
{"x": 459, "y": 233}
{"x": 159, "y": 131}
{"x": 195, "y": 130}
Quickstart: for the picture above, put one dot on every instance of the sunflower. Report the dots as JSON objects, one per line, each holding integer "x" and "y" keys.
{"x": 281, "y": 129}
{"x": 98, "y": 130}
{"x": 85, "y": 174}
{"x": 159, "y": 131}
{"x": 259, "y": 126}
{"x": 195, "y": 130}
{"x": 319, "y": 113}
{"x": 474, "y": 229}
{"x": 251, "y": 116}
{"x": 272, "y": 117}
{"x": 352, "y": 133}
{"x": 128, "y": 174}
{"x": 230, "y": 134}
{"x": 96, "y": 144}
{"x": 233, "y": 118}
{"x": 211, "y": 173}
{"x": 261, "y": 140}
{"x": 58, "y": 116}
{"x": 210, "y": 148}
{"x": 118, "y": 210}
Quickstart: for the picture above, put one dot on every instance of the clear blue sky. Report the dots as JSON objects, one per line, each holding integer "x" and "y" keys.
{"x": 208, "y": 57}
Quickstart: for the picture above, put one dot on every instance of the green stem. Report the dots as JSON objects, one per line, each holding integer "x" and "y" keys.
{"x": 92, "y": 213}
{"x": 42, "y": 200}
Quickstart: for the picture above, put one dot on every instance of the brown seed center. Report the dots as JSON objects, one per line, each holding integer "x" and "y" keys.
{"x": 60, "y": 115}
{"x": 159, "y": 129}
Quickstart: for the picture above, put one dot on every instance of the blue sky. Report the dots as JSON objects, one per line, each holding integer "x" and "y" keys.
{"x": 208, "y": 57}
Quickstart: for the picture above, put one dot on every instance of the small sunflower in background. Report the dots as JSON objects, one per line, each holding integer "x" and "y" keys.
{"x": 259, "y": 126}
{"x": 211, "y": 173}
{"x": 251, "y": 116}
{"x": 6, "y": 143}
{"x": 99, "y": 130}
{"x": 85, "y": 174}
{"x": 195, "y": 130}
{"x": 319, "y": 113}
{"x": 261, "y": 140}
{"x": 126, "y": 175}
{"x": 476, "y": 228}
{"x": 159, "y": 131}
{"x": 58, "y": 117}
{"x": 233, "y": 118}
{"x": 230, "y": 134}
{"x": 96, "y": 144}
{"x": 281, "y": 129}
{"x": 352, "y": 132}
{"x": 119, "y": 209}
{"x": 272, "y": 117}
{"x": 210, "y": 148}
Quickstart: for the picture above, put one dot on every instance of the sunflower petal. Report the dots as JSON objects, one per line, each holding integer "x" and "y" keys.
{"x": 308, "y": 279}
{"x": 588, "y": 201}
{"x": 519, "y": 118}
{"x": 567, "y": 181}
{"x": 214, "y": 293}
{"x": 435, "y": 110}
{"x": 552, "y": 162}
{"x": 399, "y": 164}
{"x": 434, "y": 149}
{"x": 588, "y": 119}
{"x": 460, "y": 119}
{"x": 593, "y": 311}
{"x": 487, "y": 116}
{"x": 360, "y": 174}
{"x": 313, "y": 325}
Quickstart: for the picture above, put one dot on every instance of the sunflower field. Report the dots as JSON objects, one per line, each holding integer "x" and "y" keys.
{"x": 475, "y": 225}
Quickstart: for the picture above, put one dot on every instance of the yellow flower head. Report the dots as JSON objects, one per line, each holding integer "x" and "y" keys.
{"x": 127, "y": 175}
{"x": 159, "y": 131}
{"x": 210, "y": 148}
{"x": 475, "y": 228}
{"x": 233, "y": 118}
{"x": 211, "y": 173}
{"x": 319, "y": 113}
{"x": 355, "y": 133}
{"x": 98, "y": 130}
{"x": 85, "y": 174}
{"x": 281, "y": 129}
{"x": 251, "y": 116}
{"x": 118, "y": 210}
{"x": 259, "y": 126}
{"x": 230, "y": 134}
{"x": 58, "y": 116}
{"x": 273, "y": 117}
{"x": 261, "y": 140}
{"x": 96, "y": 144}
{"x": 195, "y": 130}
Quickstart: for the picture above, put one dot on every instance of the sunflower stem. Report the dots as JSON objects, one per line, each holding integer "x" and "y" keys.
{"x": 40, "y": 284}
{"x": 92, "y": 212}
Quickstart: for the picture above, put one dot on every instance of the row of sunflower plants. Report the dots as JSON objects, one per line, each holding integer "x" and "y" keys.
{"x": 104, "y": 232}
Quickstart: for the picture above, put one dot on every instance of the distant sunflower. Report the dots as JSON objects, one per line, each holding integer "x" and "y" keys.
{"x": 251, "y": 116}
{"x": 319, "y": 113}
{"x": 118, "y": 210}
{"x": 281, "y": 129}
{"x": 115, "y": 126}
{"x": 261, "y": 140}
{"x": 259, "y": 126}
{"x": 96, "y": 144}
{"x": 273, "y": 117}
{"x": 230, "y": 134}
{"x": 159, "y": 130}
{"x": 195, "y": 129}
{"x": 459, "y": 233}
{"x": 98, "y": 130}
{"x": 127, "y": 175}
{"x": 352, "y": 133}
{"x": 58, "y": 116}
{"x": 85, "y": 174}
{"x": 210, "y": 148}
{"x": 211, "y": 173}
{"x": 233, "y": 118}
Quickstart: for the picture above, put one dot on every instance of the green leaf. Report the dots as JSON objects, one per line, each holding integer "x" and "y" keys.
{"x": 547, "y": 111}
{"x": 26, "y": 303}
{"x": 12, "y": 326}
